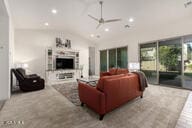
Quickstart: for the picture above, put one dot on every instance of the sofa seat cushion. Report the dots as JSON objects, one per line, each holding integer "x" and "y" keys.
{"x": 100, "y": 83}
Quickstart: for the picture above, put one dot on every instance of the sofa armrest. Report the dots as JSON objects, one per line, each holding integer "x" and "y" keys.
{"x": 36, "y": 78}
{"x": 32, "y": 75}
{"x": 32, "y": 80}
{"x": 92, "y": 97}
{"x": 104, "y": 74}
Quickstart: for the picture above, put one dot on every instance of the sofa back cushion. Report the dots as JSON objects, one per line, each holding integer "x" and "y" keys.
{"x": 119, "y": 90}
{"x": 102, "y": 79}
{"x": 122, "y": 71}
{"x": 113, "y": 71}
{"x": 18, "y": 76}
{"x": 21, "y": 71}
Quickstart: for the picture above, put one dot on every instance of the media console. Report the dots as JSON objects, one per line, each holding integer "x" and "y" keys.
{"x": 62, "y": 65}
{"x": 61, "y": 76}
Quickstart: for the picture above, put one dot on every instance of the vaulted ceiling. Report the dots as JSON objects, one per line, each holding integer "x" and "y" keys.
{"x": 72, "y": 15}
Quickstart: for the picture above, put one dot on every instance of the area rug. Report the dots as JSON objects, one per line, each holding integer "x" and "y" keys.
{"x": 70, "y": 91}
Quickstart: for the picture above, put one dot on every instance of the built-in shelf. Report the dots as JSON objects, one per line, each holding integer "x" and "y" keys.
{"x": 54, "y": 76}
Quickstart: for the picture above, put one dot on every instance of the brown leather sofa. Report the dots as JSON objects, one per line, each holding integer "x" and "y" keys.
{"x": 110, "y": 92}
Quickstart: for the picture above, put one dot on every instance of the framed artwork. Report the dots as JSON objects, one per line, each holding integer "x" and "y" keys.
{"x": 61, "y": 44}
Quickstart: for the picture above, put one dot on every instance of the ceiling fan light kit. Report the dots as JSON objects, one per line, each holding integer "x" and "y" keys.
{"x": 101, "y": 20}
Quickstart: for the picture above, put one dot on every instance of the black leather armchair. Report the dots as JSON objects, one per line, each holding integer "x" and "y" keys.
{"x": 28, "y": 82}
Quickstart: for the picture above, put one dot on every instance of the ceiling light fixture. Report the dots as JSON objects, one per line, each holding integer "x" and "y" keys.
{"x": 92, "y": 35}
{"x": 106, "y": 29}
{"x": 54, "y": 11}
{"x": 46, "y": 24}
{"x": 131, "y": 20}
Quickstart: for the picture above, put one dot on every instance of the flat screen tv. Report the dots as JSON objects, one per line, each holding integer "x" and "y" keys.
{"x": 64, "y": 63}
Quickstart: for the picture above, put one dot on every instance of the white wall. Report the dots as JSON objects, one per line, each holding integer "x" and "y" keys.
{"x": 4, "y": 57}
{"x": 6, "y": 46}
{"x": 134, "y": 37}
{"x": 30, "y": 48}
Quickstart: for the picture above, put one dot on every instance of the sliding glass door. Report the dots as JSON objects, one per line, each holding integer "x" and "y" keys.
{"x": 122, "y": 57}
{"x": 170, "y": 62}
{"x": 103, "y": 60}
{"x": 148, "y": 61}
{"x": 187, "y": 57}
{"x": 112, "y": 58}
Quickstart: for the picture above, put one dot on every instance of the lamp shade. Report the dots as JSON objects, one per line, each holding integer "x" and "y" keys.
{"x": 25, "y": 65}
{"x": 21, "y": 65}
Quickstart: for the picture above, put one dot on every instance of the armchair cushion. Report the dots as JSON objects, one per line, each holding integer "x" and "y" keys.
{"x": 32, "y": 85}
{"x": 21, "y": 71}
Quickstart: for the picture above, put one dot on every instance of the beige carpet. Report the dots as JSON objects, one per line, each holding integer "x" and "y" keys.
{"x": 160, "y": 108}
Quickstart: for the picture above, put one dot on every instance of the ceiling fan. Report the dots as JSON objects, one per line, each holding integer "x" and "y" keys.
{"x": 188, "y": 4}
{"x": 102, "y": 20}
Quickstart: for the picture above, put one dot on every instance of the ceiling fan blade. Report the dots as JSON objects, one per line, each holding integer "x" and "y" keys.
{"x": 93, "y": 18}
{"x": 101, "y": 3}
{"x": 98, "y": 26}
{"x": 112, "y": 20}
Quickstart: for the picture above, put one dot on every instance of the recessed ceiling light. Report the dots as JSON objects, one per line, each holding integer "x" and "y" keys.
{"x": 54, "y": 11}
{"x": 131, "y": 19}
{"x": 46, "y": 24}
{"x": 92, "y": 35}
{"x": 106, "y": 29}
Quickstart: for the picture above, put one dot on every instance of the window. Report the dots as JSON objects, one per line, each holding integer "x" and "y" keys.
{"x": 116, "y": 57}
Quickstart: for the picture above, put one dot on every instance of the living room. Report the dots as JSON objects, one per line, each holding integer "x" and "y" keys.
{"x": 85, "y": 63}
